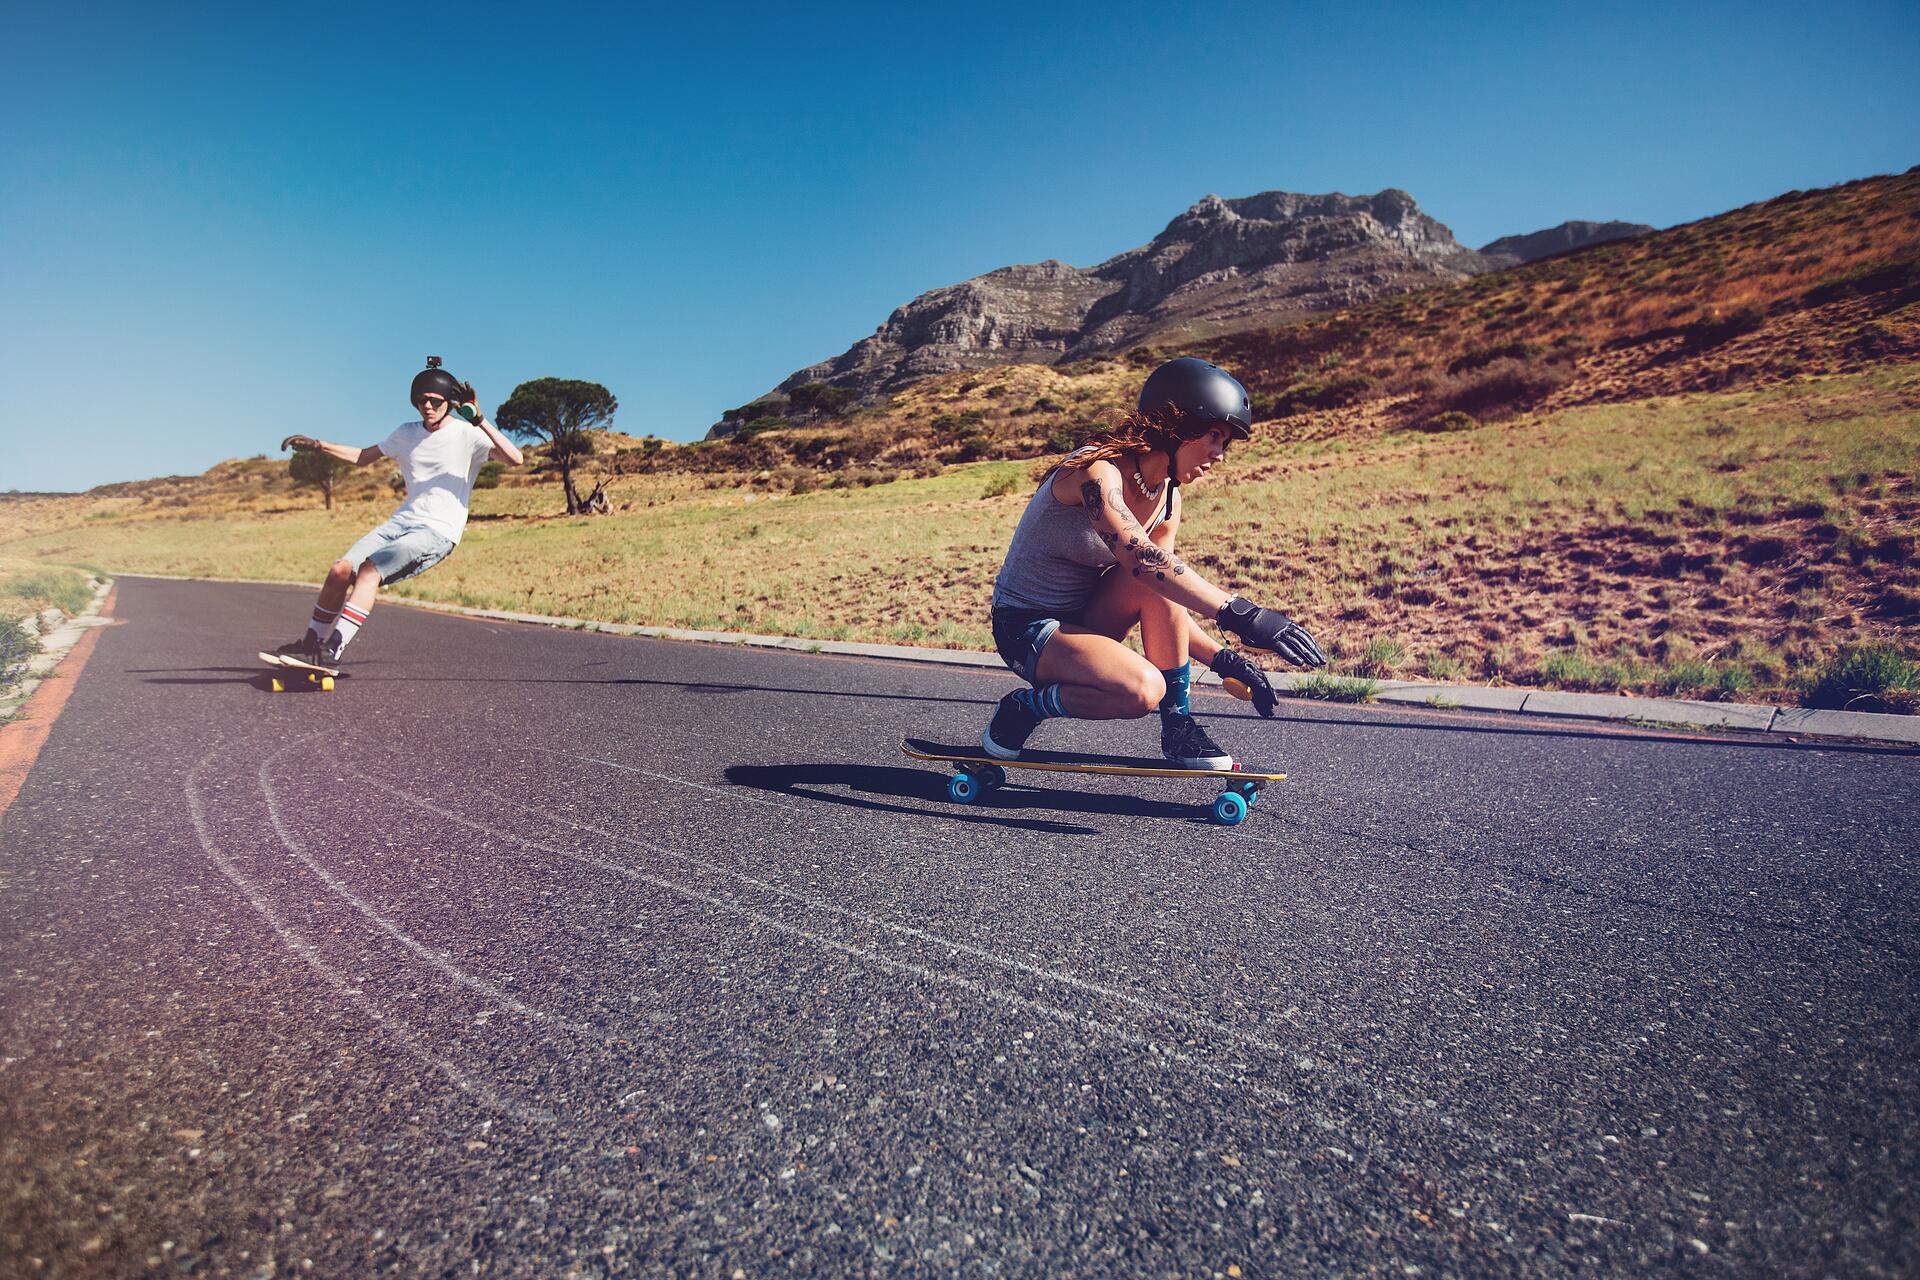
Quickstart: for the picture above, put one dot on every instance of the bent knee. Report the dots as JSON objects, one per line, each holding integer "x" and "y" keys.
{"x": 342, "y": 571}
{"x": 1143, "y": 688}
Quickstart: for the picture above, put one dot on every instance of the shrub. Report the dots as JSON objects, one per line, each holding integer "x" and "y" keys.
{"x": 1503, "y": 389}
{"x": 1893, "y": 277}
{"x": 1451, "y": 420}
{"x": 1717, "y": 327}
{"x": 958, "y": 424}
{"x": 489, "y": 477}
{"x": 970, "y": 447}
{"x": 757, "y": 426}
{"x": 1063, "y": 438}
{"x": 1861, "y": 678}
{"x": 1001, "y": 485}
{"x": 1318, "y": 393}
{"x": 1481, "y": 357}
{"x": 17, "y": 645}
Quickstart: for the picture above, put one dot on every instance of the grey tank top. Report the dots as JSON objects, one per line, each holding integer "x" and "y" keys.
{"x": 1056, "y": 558}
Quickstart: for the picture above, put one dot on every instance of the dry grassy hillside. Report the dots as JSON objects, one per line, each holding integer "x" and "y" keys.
{"x": 1683, "y": 464}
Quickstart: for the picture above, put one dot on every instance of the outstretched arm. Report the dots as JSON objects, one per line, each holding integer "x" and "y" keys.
{"x": 1102, "y": 492}
{"x": 359, "y": 457}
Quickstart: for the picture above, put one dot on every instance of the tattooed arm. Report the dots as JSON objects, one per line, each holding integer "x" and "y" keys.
{"x": 1100, "y": 490}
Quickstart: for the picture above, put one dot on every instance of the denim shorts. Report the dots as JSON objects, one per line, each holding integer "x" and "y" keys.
{"x": 1021, "y": 634}
{"x": 399, "y": 550}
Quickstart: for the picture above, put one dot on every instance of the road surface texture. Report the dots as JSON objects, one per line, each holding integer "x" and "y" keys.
{"x": 536, "y": 953}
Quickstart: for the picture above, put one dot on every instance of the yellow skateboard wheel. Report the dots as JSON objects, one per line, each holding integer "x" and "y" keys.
{"x": 326, "y": 682}
{"x": 278, "y": 685}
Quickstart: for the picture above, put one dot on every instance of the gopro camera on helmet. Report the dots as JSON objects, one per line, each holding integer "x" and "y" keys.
{"x": 434, "y": 380}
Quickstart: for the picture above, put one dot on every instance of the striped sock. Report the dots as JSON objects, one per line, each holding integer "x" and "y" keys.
{"x": 321, "y": 623}
{"x": 351, "y": 620}
{"x": 1174, "y": 701}
{"x": 1042, "y": 703}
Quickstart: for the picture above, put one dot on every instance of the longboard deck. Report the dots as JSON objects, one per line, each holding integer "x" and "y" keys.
{"x": 1077, "y": 762}
{"x": 294, "y": 664}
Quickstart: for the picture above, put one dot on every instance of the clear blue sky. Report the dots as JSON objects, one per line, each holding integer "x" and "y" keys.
{"x": 217, "y": 228}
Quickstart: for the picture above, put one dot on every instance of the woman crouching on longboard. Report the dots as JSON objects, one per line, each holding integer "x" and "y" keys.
{"x": 439, "y": 456}
{"x": 1093, "y": 558}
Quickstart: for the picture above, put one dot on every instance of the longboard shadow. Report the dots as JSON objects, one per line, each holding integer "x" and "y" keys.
{"x": 888, "y": 783}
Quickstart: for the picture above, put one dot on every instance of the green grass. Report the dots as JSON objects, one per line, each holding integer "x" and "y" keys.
{"x": 1335, "y": 688}
{"x": 1863, "y": 678}
{"x": 27, "y": 588}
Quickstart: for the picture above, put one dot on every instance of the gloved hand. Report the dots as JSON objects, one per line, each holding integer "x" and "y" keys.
{"x": 468, "y": 405}
{"x": 1230, "y": 664}
{"x": 300, "y": 442}
{"x": 1270, "y": 629}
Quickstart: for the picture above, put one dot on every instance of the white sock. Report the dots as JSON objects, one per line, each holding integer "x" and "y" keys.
{"x": 351, "y": 620}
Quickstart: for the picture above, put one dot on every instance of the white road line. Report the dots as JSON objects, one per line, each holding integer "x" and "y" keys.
{"x": 438, "y": 959}
{"x": 923, "y": 935}
{"x": 393, "y": 1027}
{"x": 933, "y": 976}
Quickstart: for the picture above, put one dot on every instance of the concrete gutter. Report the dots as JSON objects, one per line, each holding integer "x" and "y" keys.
{"x": 1677, "y": 713}
{"x": 57, "y": 634}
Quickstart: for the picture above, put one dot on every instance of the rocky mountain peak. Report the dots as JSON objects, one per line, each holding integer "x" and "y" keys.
{"x": 1219, "y": 265}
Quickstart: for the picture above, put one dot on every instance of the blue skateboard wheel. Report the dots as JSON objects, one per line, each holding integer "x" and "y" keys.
{"x": 1230, "y": 810}
{"x": 992, "y": 777}
{"x": 962, "y": 789}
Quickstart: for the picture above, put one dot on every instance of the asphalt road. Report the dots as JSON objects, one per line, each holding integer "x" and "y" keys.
{"x": 530, "y": 952}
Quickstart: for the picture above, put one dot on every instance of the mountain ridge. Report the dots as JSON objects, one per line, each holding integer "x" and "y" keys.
{"x": 1220, "y": 265}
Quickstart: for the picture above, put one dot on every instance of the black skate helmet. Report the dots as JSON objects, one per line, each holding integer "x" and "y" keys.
{"x": 1196, "y": 390}
{"x": 433, "y": 380}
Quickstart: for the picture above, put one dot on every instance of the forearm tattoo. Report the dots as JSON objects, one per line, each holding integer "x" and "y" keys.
{"x": 1130, "y": 542}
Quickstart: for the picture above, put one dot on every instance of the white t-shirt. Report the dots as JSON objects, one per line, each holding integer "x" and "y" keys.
{"x": 439, "y": 467}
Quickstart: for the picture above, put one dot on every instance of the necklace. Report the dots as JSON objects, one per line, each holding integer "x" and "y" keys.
{"x": 1140, "y": 483}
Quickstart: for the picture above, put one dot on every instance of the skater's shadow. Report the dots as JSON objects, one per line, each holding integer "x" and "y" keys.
{"x": 259, "y": 677}
{"x": 886, "y": 784}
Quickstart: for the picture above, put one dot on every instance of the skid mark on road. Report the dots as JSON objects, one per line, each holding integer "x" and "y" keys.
{"x": 1106, "y": 1030}
{"x": 1167, "y": 1056}
{"x": 924, "y": 935}
{"x": 399, "y": 1031}
{"x": 440, "y": 960}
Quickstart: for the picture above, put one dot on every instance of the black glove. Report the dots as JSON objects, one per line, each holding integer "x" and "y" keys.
{"x": 468, "y": 406}
{"x": 300, "y": 442}
{"x": 1231, "y": 665}
{"x": 1270, "y": 629}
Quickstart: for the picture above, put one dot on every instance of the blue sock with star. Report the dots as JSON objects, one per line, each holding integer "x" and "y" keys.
{"x": 1179, "y": 681}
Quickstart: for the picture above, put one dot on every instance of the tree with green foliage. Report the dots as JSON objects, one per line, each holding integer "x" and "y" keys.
{"x": 562, "y": 413}
{"x": 817, "y": 399}
{"x": 312, "y": 469}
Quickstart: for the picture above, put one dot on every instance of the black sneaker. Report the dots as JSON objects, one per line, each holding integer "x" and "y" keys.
{"x": 1008, "y": 731}
{"x": 328, "y": 654}
{"x": 1186, "y": 745}
{"x": 306, "y": 648}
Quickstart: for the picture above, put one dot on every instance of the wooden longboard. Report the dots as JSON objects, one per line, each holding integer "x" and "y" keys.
{"x": 977, "y": 773}
{"x": 297, "y": 672}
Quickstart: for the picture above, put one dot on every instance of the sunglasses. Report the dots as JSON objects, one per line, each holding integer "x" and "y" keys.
{"x": 431, "y": 402}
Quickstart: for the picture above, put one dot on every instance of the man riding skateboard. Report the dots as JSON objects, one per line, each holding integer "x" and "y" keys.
{"x": 439, "y": 456}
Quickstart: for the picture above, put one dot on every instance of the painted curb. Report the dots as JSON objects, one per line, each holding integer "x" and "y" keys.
{"x": 1680, "y": 713}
